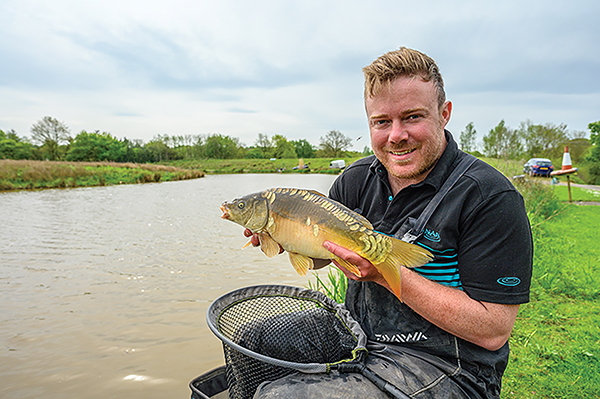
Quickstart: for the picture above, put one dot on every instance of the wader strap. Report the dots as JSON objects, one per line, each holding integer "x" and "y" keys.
{"x": 416, "y": 231}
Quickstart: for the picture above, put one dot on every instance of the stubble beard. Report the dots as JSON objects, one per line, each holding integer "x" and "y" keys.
{"x": 429, "y": 156}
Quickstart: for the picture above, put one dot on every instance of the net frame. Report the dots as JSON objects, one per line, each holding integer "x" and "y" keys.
{"x": 221, "y": 305}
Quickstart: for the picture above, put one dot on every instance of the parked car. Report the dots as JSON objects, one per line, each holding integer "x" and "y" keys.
{"x": 538, "y": 167}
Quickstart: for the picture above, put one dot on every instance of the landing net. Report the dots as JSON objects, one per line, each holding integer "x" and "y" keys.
{"x": 271, "y": 331}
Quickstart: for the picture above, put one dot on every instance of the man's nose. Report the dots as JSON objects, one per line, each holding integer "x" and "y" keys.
{"x": 398, "y": 132}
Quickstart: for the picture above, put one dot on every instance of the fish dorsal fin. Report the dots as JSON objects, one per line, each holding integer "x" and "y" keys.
{"x": 317, "y": 193}
{"x": 301, "y": 263}
{"x": 342, "y": 209}
{"x": 268, "y": 245}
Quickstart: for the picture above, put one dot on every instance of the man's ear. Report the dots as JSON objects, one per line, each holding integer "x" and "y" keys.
{"x": 446, "y": 112}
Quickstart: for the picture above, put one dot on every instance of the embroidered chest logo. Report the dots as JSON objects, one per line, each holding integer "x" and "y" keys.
{"x": 410, "y": 337}
{"x": 432, "y": 235}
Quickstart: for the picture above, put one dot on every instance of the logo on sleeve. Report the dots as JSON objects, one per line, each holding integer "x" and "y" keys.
{"x": 509, "y": 281}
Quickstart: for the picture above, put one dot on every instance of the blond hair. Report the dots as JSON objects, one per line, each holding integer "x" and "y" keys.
{"x": 402, "y": 62}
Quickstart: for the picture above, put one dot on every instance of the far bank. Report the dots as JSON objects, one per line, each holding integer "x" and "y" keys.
{"x": 24, "y": 174}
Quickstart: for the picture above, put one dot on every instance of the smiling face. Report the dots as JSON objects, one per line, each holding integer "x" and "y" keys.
{"x": 407, "y": 129}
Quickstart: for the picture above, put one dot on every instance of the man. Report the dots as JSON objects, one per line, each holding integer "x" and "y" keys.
{"x": 449, "y": 335}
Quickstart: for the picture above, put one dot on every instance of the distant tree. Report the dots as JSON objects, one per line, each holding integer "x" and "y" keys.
{"x": 303, "y": 148}
{"x": 334, "y": 144}
{"x": 544, "y": 140}
{"x": 50, "y": 134}
{"x": 502, "y": 142}
{"x": 253, "y": 153}
{"x": 594, "y": 155}
{"x": 265, "y": 145}
{"x": 367, "y": 151}
{"x": 222, "y": 147}
{"x": 468, "y": 137}
{"x": 283, "y": 148}
{"x": 12, "y": 135}
{"x": 97, "y": 147}
{"x": 13, "y": 147}
{"x": 184, "y": 146}
{"x": 595, "y": 132}
{"x": 156, "y": 150}
{"x": 578, "y": 147}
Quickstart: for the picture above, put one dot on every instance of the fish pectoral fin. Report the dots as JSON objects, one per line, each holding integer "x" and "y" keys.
{"x": 349, "y": 266}
{"x": 391, "y": 274}
{"x": 301, "y": 263}
{"x": 268, "y": 245}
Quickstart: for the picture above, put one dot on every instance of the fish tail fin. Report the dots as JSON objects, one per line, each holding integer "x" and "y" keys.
{"x": 404, "y": 254}
{"x": 391, "y": 274}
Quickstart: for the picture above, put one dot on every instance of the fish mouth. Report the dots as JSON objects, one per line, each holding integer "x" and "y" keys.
{"x": 225, "y": 214}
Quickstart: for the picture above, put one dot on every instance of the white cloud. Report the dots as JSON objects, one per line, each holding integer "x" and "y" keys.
{"x": 141, "y": 68}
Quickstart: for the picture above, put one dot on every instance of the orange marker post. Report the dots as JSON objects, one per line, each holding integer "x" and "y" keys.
{"x": 567, "y": 169}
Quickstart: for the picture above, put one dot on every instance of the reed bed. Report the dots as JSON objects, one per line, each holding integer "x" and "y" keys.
{"x": 25, "y": 174}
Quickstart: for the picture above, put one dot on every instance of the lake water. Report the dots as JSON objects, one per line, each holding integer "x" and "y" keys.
{"x": 104, "y": 290}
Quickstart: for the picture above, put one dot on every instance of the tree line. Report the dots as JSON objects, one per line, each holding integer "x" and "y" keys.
{"x": 529, "y": 140}
{"x": 52, "y": 140}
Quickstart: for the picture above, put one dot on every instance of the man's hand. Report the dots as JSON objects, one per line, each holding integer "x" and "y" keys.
{"x": 253, "y": 237}
{"x": 255, "y": 240}
{"x": 368, "y": 272}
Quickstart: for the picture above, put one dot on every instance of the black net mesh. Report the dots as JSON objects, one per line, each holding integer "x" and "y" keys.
{"x": 271, "y": 331}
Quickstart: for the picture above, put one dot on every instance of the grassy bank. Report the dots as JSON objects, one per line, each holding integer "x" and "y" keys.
{"x": 48, "y": 174}
{"x": 555, "y": 345}
{"x": 316, "y": 165}
{"x": 222, "y": 166}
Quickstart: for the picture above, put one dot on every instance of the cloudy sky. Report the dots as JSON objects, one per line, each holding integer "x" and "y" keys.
{"x": 141, "y": 68}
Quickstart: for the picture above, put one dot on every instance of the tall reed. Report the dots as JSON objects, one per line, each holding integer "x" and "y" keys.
{"x": 23, "y": 174}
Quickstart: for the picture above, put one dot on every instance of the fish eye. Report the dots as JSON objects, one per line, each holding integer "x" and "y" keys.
{"x": 241, "y": 205}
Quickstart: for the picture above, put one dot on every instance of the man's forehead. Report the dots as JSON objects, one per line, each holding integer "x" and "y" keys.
{"x": 388, "y": 85}
{"x": 405, "y": 93}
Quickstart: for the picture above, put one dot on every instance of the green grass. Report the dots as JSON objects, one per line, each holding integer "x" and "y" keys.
{"x": 577, "y": 194}
{"x": 334, "y": 286}
{"x": 555, "y": 345}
